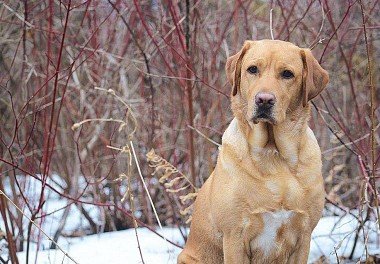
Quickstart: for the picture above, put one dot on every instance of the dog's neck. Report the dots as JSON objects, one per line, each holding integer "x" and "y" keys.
{"x": 283, "y": 140}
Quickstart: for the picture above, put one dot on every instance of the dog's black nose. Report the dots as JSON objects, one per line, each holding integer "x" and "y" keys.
{"x": 266, "y": 100}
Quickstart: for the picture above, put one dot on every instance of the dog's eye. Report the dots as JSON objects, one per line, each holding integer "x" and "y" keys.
{"x": 287, "y": 74}
{"x": 253, "y": 70}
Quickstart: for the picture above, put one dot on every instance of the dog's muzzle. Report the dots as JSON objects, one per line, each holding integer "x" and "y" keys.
{"x": 264, "y": 104}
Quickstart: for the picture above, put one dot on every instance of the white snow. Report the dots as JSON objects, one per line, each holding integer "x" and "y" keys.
{"x": 335, "y": 231}
{"x": 121, "y": 246}
{"x": 113, "y": 247}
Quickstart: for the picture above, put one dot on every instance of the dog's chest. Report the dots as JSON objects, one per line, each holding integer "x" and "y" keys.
{"x": 272, "y": 222}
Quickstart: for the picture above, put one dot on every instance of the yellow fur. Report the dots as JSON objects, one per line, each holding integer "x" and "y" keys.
{"x": 268, "y": 175}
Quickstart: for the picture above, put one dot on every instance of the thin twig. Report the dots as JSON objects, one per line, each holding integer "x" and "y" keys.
{"x": 317, "y": 39}
{"x": 17, "y": 15}
{"x": 206, "y": 137}
{"x": 271, "y": 23}
{"x": 39, "y": 228}
{"x": 372, "y": 132}
{"x": 132, "y": 204}
{"x": 146, "y": 188}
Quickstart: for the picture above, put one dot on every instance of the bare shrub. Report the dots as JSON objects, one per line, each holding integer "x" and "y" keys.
{"x": 63, "y": 62}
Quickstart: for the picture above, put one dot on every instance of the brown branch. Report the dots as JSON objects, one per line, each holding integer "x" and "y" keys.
{"x": 373, "y": 125}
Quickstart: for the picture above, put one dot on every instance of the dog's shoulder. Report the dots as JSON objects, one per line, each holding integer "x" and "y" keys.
{"x": 234, "y": 137}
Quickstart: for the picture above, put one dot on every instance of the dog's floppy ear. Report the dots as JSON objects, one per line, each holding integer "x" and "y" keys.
{"x": 314, "y": 77}
{"x": 233, "y": 68}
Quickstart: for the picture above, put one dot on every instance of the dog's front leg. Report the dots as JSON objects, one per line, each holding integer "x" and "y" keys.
{"x": 234, "y": 249}
{"x": 301, "y": 254}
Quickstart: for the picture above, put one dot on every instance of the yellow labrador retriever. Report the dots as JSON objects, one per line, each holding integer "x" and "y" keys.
{"x": 266, "y": 193}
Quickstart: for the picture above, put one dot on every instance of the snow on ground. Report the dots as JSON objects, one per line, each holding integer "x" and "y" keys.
{"x": 337, "y": 233}
{"x": 53, "y": 209}
{"x": 332, "y": 233}
{"x": 121, "y": 246}
{"x": 114, "y": 247}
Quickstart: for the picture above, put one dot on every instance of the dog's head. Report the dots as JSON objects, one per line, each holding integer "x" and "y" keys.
{"x": 271, "y": 78}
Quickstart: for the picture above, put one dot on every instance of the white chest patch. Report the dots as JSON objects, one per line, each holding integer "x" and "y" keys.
{"x": 272, "y": 222}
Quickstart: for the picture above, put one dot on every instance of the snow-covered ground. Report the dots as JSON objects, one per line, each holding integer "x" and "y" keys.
{"x": 121, "y": 247}
{"x": 113, "y": 247}
{"x": 333, "y": 233}
{"x": 336, "y": 234}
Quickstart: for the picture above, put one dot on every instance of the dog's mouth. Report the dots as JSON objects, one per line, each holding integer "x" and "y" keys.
{"x": 261, "y": 116}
